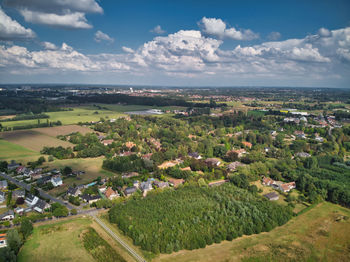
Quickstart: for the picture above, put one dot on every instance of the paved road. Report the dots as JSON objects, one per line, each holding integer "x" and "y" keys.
{"x": 27, "y": 187}
{"x": 118, "y": 239}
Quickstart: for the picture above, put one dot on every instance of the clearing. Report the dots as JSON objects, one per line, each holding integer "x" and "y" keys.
{"x": 320, "y": 234}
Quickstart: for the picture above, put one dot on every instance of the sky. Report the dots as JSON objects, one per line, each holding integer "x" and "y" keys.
{"x": 176, "y": 43}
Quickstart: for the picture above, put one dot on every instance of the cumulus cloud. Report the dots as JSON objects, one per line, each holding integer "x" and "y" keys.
{"x": 128, "y": 50}
{"x": 100, "y": 36}
{"x": 12, "y": 30}
{"x": 217, "y": 27}
{"x": 324, "y": 32}
{"x": 158, "y": 30}
{"x": 273, "y": 36}
{"x": 192, "y": 54}
{"x": 57, "y": 13}
{"x": 49, "y": 45}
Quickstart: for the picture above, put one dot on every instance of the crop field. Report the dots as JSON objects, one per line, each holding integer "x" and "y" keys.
{"x": 32, "y": 139}
{"x": 92, "y": 167}
{"x": 63, "y": 130}
{"x": 320, "y": 234}
{"x": 9, "y": 151}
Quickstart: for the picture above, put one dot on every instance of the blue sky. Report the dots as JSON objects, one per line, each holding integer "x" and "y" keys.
{"x": 219, "y": 43}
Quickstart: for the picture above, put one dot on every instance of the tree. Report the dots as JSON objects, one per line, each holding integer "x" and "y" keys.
{"x": 13, "y": 240}
{"x": 26, "y": 228}
{"x": 67, "y": 170}
{"x": 74, "y": 211}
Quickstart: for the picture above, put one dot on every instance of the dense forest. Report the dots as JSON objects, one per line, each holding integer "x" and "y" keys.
{"x": 193, "y": 217}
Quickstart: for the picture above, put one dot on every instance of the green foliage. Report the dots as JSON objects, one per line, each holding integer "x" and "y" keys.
{"x": 99, "y": 249}
{"x": 58, "y": 152}
{"x": 26, "y": 228}
{"x": 193, "y": 217}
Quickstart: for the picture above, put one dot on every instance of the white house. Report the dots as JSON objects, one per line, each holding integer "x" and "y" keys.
{"x": 8, "y": 215}
{"x": 56, "y": 181}
{"x": 31, "y": 200}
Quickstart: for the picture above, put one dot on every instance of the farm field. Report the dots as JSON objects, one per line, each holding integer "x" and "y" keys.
{"x": 63, "y": 241}
{"x": 63, "y": 130}
{"x": 10, "y": 151}
{"x": 315, "y": 235}
{"x": 92, "y": 167}
{"x": 86, "y": 114}
{"x": 32, "y": 139}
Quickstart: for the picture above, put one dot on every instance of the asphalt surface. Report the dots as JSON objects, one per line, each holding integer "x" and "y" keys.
{"x": 27, "y": 187}
{"x": 118, "y": 239}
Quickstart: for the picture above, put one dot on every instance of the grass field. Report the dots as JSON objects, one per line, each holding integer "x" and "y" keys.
{"x": 92, "y": 167}
{"x": 315, "y": 235}
{"x": 32, "y": 139}
{"x": 63, "y": 130}
{"x": 10, "y": 151}
{"x": 62, "y": 241}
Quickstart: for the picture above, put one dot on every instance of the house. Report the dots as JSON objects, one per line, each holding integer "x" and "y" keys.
{"x": 40, "y": 206}
{"x": 213, "y": 161}
{"x": 107, "y": 142}
{"x": 319, "y": 139}
{"x": 266, "y": 181}
{"x": 73, "y": 191}
{"x": 18, "y": 193}
{"x": 3, "y": 184}
{"x": 8, "y": 215}
{"x": 130, "y": 144}
{"x": 247, "y": 144}
{"x": 31, "y": 200}
{"x": 286, "y": 187}
{"x": 90, "y": 199}
{"x": 19, "y": 210}
{"x": 147, "y": 156}
{"x": 155, "y": 142}
{"x": 35, "y": 176}
{"x": 175, "y": 182}
{"x": 302, "y": 154}
{"x": 56, "y": 181}
{"x": 13, "y": 165}
{"x": 2, "y": 196}
{"x": 195, "y": 155}
{"x": 161, "y": 184}
{"x": 300, "y": 134}
{"x": 273, "y": 196}
{"x": 102, "y": 189}
{"x": 146, "y": 186}
{"x": 3, "y": 240}
{"x": 232, "y": 166}
{"x": 111, "y": 194}
{"x": 21, "y": 169}
{"x": 186, "y": 168}
{"x": 130, "y": 190}
{"x": 168, "y": 164}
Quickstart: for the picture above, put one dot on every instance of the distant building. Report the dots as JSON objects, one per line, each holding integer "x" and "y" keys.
{"x": 3, "y": 242}
{"x": 247, "y": 144}
{"x": 31, "y": 200}
{"x": 176, "y": 182}
{"x": 302, "y": 154}
{"x": 2, "y": 196}
{"x": 273, "y": 196}
{"x": 13, "y": 165}
{"x": 161, "y": 184}
{"x": 18, "y": 193}
{"x": 232, "y": 166}
{"x": 40, "y": 206}
{"x": 107, "y": 142}
{"x": 73, "y": 191}
{"x": 218, "y": 183}
{"x": 213, "y": 161}
{"x": 90, "y": 199}
{"x": 286, "y": 187}
{"x": 194, "y": 155}
{"x": 111, "y": 194}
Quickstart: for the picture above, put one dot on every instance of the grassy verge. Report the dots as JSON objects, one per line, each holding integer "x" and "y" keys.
{"x": 10, "y": 151}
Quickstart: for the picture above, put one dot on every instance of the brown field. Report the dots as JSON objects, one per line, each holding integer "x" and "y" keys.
{"x": 33, "y": 139}
{"x": 320, "y": 234}
{"x": 63, "y": 130}
{"x": 7, "y": 117}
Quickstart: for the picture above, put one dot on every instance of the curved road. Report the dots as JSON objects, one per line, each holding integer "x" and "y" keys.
{"x": 118, "y": 239}
{"x": 27, "y": 187}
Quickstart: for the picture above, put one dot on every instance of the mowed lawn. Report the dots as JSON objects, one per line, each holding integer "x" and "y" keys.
{"x": 10, "y": 151}
{"x": 32, "y": 139}
{"x": 320, "y": 234}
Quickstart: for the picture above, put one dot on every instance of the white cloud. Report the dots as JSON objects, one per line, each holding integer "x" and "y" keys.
{"x": 273, "y": 36}
{"x": 57, "y": 13}
{"x": 100, "y": 36}
{"x": 128, "y": 50}
{"x": 216, "y": 27}
{"x": 11, "y": 29}
{"x": 324, "y": 32}
{"x": 49, "y": 46}
{"x": 158, "y": 30}
{"x": 70, "y": 20}
{"x": 190, "y": 54}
